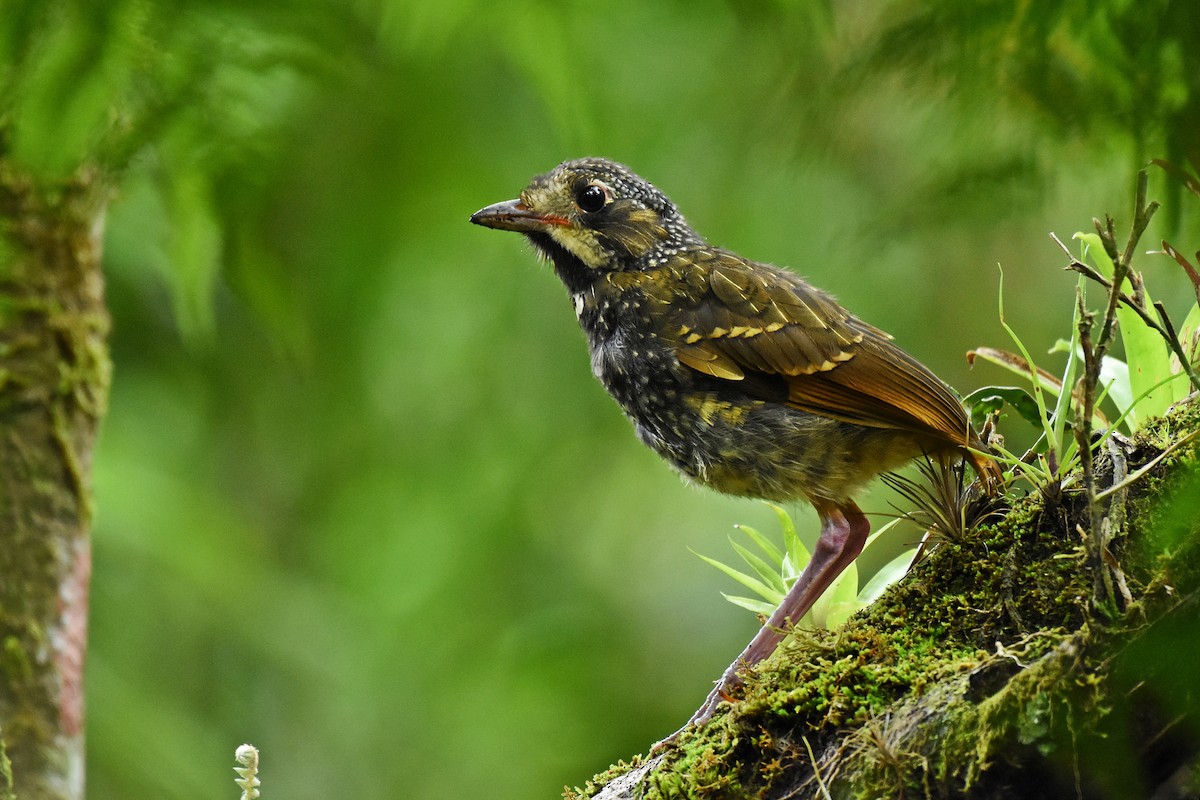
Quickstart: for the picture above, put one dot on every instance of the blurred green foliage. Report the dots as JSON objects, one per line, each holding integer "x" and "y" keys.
{"x": 360, "y": 501}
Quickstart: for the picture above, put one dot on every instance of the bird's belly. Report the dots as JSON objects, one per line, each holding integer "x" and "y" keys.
{"x": 769, "y": 450}
{"x": 737, "y": 444}
{"x": 732, "y": 441}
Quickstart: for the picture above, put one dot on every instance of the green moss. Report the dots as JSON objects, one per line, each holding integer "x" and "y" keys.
{"x": 603, "y": 779}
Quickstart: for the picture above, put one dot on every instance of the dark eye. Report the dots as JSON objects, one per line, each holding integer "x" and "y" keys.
{"x": 592, "y": 197}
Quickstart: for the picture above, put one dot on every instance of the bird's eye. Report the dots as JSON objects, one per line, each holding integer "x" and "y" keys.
{"x": 592, "y": 197}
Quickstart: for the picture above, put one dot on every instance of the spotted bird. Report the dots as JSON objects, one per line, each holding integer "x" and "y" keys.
{"x": 742, "y": 375}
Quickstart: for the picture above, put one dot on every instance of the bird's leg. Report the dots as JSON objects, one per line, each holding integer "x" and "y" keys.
{"x": 844, "y": 530}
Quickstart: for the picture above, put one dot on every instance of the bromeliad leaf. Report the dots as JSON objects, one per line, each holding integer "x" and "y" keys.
{"x": 760, "y": 607}
{"x": 983, "y": 402}
{"x": 769, "y": 576}
{"x": 891, "y": 572}
{"x": 797, "y": 554}
{"x": 766, "y": 545}
{"x": 751, "y": 583}
{"x": 838, "y": 602}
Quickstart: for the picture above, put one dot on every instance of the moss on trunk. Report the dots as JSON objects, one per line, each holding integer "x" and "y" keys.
{"x": 54, "y": 378}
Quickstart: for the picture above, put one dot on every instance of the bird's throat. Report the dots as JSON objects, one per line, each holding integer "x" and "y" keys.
{"x": 575, "y": 275}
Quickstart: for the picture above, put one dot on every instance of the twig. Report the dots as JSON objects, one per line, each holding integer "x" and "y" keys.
{"x": 1165, "y": 328}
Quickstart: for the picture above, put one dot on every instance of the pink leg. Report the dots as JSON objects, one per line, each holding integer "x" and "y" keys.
{"x": 844, "y": 531}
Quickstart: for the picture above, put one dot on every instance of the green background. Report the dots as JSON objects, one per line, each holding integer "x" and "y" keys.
{"x": 360, "y": 501}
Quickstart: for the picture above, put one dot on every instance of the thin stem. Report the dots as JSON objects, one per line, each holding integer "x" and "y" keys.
{"x": 1094, "y": 352}
{"x": 1093, "y": 544}
{"x": 1165, "y": 328}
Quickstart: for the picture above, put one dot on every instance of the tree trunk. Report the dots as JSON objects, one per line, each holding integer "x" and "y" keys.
{"x": 54, "y": 380}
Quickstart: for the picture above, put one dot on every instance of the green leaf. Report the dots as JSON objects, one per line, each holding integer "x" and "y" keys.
{"x": 843, "y": 590}
{"x": 785, "y": 520}
{"x": 797, "y": 554}
{"x": 1092, "y": 242}
{"x": 837, "y": 613}
{"x": 888, "y": 574}
{"x": 751, "y": 583}
{"x": 1035, "y": 374}
{"x": 1149, "y": 364}
{"x": 764, "y": 544}
{"x": 1062, "y": 408}
{"x": 993, "y": 398}
{"x": 874, "y": 537}
{"x": 769, "y": 576}
{"x": 750, "y": 604}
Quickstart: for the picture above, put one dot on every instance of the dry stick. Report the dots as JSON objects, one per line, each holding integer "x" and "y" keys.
{"x": 1142, "y": 213}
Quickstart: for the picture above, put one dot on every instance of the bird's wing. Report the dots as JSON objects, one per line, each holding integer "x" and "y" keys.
{"x": 741, "y": 321}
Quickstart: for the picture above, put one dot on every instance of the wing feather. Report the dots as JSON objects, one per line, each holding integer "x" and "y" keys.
{"x": 749, "y": 318}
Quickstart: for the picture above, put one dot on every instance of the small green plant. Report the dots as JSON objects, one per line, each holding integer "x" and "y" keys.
{"x": 775, "y": 569}
{"x": 1156, "y": 373}
{"x": 1159, "y": 370}
{"x": 1054, "y": 454}
{"x": 944, "y": 502}
{"x": 247, "y": 779}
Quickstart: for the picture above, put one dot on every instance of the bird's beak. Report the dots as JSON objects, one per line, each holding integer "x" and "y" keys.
{"x": 512, "y": 215}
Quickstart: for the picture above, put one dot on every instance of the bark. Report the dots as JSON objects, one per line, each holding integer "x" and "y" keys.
{"x": 991, "y": 671}
{"x": 54, "y": 379}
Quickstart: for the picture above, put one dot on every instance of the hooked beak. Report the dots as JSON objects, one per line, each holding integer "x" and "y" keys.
{"x": 512, "y": 215}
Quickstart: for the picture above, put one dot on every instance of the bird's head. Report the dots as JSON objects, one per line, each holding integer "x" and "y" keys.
{"x": 591, "y": 216}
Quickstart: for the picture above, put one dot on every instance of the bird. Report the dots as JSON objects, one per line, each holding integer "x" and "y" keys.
{"x": 743, "y": 376}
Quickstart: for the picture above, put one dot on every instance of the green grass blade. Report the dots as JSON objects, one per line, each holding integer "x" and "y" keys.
{"x": 1038, "y": 394}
